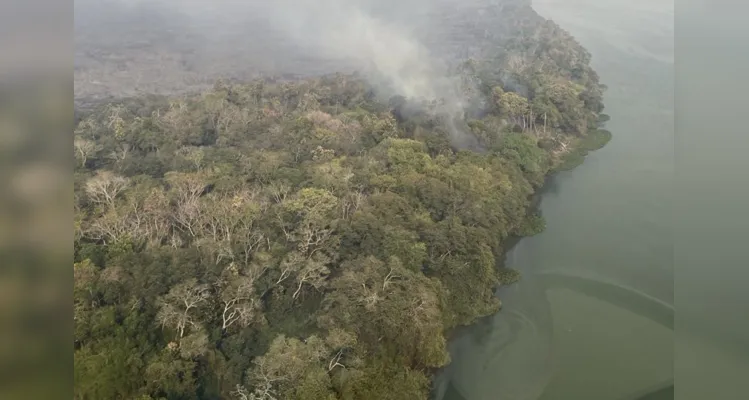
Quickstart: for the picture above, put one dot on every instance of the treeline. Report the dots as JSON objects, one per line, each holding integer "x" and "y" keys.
{"x": 304, "y": 240}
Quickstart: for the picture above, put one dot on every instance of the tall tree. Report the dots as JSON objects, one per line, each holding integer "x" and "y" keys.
{"x": 178, "y": 307}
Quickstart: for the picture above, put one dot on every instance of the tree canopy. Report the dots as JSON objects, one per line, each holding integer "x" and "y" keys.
{"x": 304, "y": 239}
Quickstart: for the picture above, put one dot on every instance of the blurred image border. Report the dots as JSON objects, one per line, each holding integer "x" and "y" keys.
{"x": 36, "y": 116}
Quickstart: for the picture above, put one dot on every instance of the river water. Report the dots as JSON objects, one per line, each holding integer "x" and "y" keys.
{"x": 592, "y": 317}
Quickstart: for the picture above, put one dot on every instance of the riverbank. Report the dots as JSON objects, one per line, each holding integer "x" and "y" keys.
{"x": 331, "y": 221}
{"x": 574, "y": 157}
{"x": 609, "y": 220}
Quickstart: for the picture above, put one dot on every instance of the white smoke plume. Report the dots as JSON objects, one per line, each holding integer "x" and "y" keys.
{"x": 376, "y": 38}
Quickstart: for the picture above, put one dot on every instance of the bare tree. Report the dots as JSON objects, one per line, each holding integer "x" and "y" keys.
{"x": 292, "y": 263}
{"x": 263, "y": 391}
{"x": 335, "y": 361}
{"x": 312, "y": 237}
{"x": 266, "y": 374}
{"x": 239, "y": 303}
{"x": 278, "y": 191}
{"x": 187, "y": 216}
{"x": 86, "y": 127}
{"x": 313, "y": 210}
{"x": 286, "y": 363}
{"x": 390, "y": 277}
{"x": 119, "y": 154}
{"x": 110, "y": 227}
{"x": 84, "y": 149}
{"x": 228, "y": 223}
{"x": 339, "y": 341}
{"x": 314, "y": 273}
{"x": 240, "y": 392}
{"x": 177, "y": 305}
{"x": 104, "y": 187}
{"x": 351, "y": 203}
{"x": 187, "y": 189}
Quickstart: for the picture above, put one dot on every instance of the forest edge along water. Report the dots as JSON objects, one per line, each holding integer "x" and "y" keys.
{"x": 592, "y": 316}
{"x": 308, "y": 236}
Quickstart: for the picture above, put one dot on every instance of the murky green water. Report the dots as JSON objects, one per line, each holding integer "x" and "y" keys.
{"x": 592, "y": 317}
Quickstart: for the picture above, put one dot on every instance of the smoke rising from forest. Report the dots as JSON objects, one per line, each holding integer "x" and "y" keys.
{"x": 384, "y": 51}
{"x": 167, "y": 45}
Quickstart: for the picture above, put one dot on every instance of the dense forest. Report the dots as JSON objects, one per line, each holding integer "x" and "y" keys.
{"x": 310, "y": 239}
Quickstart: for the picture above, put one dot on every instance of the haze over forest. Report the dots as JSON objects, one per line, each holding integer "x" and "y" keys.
{"x": 126, "y": 47}
{"x": 301, "y": 199}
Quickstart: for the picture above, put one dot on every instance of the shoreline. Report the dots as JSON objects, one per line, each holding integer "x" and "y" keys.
{"x": 464, "y": 213}
{"x": 512, "y": 241}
